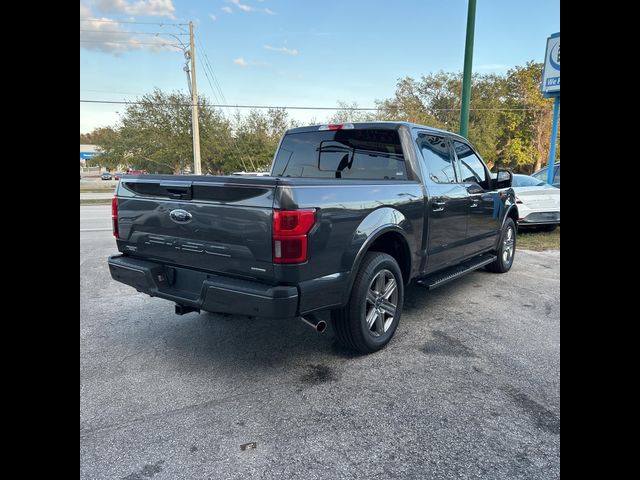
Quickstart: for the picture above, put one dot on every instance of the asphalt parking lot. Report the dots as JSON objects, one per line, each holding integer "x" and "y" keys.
{"x": 468, "y": 388}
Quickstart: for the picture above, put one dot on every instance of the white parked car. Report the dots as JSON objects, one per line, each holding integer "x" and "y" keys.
{"x": 538, "y": 202}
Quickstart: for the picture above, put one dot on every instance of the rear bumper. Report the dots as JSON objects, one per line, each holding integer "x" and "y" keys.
{"x": 210, "y": 292}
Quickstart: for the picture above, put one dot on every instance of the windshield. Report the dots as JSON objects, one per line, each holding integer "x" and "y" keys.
{"x": 526, "y": 181}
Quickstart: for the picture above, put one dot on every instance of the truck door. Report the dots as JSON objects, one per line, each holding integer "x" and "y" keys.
{"x": 485, "y": 206}
{"x": 447, "y": 205}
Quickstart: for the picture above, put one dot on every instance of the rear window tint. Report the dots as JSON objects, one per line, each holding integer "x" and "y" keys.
{"x": 365, "y": 154}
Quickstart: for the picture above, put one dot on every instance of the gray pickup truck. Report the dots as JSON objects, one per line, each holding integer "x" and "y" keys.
{"x": 350, "y": 214}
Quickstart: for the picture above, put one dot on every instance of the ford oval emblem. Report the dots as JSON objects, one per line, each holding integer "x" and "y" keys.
{"x": 180, "y": 216}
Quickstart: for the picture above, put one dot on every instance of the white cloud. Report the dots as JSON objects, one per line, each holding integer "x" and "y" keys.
{"x": 241, "y": 6}
{"x": 227, "y": 9}
{"x": 213, "y": 17}
{"x": 152, "y": 8}
{"x": 110, "y": 37}
{"x": 288, "y": 51}
{"x": 245, "y": 63}
{"x": 269, "y": 12}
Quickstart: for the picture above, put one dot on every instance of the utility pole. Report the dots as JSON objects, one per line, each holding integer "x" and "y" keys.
{"x": 466, "y": 76}
{"x": 195, "y": 130}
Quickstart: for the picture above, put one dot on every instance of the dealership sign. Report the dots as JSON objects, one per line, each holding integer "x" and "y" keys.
{"x": 551, "y": 73}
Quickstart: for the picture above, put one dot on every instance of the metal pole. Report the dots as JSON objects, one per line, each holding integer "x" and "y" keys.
{"x": 466, "y": 76}
{"x": 197, "y": 169}
{"x": 554, "y": 136}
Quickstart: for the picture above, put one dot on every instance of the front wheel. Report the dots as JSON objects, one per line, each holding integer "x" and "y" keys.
{"x": 367, "y": 323}
{"x": 506, "y": 248}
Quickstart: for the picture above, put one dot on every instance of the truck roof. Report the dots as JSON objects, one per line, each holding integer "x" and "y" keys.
{"x": 378, "y": 124}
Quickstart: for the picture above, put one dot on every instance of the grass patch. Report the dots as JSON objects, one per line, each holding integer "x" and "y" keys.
{"x": 106, "y": 201}
{"x": 538, "y": 241}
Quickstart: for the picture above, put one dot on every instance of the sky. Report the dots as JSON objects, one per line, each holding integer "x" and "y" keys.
{"x": 294, "y": 52}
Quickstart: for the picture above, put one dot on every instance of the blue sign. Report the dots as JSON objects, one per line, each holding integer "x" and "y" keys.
{"x": 551, "y": 74}
{"x": 88, "y": 155}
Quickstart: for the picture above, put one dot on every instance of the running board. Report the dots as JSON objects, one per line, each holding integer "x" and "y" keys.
{"x": 445, "y": 276}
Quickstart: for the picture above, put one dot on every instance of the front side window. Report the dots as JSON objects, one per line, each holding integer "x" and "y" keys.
{"x": 471, "y": 167}
{"x": 437, "y": 161}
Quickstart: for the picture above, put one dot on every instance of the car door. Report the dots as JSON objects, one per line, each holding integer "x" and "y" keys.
{"x": 485, "y": 205}
{"x": 447, "y": 205}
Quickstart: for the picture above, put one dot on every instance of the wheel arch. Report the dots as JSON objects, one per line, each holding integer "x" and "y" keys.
{"x": 389, "y": 239}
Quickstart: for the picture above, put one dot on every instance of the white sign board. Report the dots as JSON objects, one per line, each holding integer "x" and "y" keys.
{"x": 551, "y": 73}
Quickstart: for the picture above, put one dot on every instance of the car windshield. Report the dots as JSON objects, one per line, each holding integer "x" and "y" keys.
{"x": 526, "y": 181}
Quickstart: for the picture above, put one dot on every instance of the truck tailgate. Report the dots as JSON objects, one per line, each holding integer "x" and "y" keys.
{"x": 215, "y": 224}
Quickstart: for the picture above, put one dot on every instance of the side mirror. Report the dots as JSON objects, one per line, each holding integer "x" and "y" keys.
{"x": 504, "y": 179}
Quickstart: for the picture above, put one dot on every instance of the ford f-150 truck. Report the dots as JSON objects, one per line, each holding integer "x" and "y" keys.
{"x": 350, "y": 214}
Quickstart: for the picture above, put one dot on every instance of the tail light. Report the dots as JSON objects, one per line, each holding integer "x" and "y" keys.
{"x": 114, "y": 216}
{"x": 290, "y": 229}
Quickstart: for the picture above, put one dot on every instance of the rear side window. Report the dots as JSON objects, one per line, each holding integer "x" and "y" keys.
{"x": 437, "y": 160}
{"x": 471, "y": 167}
{"x": 365, "y": 154}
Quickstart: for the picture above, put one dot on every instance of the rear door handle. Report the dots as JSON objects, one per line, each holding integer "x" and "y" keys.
{"x": 437, "y": 206}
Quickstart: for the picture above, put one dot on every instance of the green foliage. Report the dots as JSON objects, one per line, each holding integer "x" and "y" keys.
{"x": 256, "y": 137}
{"x": 155, "y": 135}
{"x": 346, "y": 113}
{"x": 526, "y": 130}
{"x": 509, "y": 122}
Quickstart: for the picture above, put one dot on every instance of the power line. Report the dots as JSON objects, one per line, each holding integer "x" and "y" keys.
{"x": 127, "y": 31}
{"x": 208, "y": 64}
{"x": 159, "y": 44}
{"x": 296, "y": 107}
{"x": 100, "y": 20}
{"x": 233, "y": 143}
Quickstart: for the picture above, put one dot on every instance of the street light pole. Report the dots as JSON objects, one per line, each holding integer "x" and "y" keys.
{"x": 466, "y": 76}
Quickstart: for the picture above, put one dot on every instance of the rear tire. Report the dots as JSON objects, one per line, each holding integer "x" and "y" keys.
{"x": 506, "y": 248}
{"x": 368, "y": 322}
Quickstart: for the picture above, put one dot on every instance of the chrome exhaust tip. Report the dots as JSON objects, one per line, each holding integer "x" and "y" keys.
{"x": 316, "y": 323}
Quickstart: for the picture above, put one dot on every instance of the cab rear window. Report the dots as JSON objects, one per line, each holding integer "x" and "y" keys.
{"x": 365, "y": 154}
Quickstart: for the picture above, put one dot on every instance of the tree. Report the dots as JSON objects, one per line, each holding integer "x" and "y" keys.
{"x": 95, "y": 136}
{"x": 347, "y": 113}
{"x": 509, "y": 121}
{"x": 256, "y": 137}
{"x": 526, "y": 135}
{"x": 154, "y": 134}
